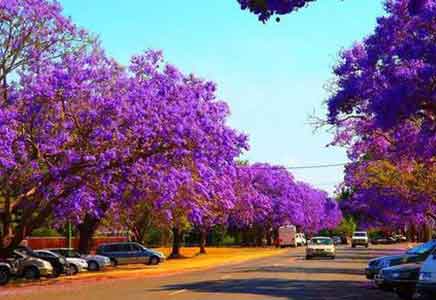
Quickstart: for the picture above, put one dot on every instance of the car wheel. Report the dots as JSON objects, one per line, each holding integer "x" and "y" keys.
{"x": 353, "y": 246}
{"x": 333, "y": 257}
{"x": 57, "y": 271}
{"x": 114, "y": 262}
{"x": 308, "y": 257}
{"x": 154, "y": 260}
{"x": 405, "y": 293}
{"x": 31, "y": 273}
{"x": 366, "y": 246}
{"x": 5, "y": 276}
{"x": 73, "y": 269}
{"x": 93, "y": 266}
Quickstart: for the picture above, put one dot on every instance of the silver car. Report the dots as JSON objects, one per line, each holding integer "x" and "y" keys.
{"x": 95, "y": 262}
{"x": 320, "y": 247}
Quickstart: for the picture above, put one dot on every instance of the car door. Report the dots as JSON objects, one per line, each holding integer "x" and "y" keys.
{"x": 137, "y": 255}
{"x": 123, "y": 253}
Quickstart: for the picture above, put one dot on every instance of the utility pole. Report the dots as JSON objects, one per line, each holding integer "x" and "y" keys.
{"x": 69, "y": 235}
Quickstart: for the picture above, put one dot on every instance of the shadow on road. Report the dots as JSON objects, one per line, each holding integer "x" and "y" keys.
{"x": 287, "y": 289}
{"x": 309, "y": 270}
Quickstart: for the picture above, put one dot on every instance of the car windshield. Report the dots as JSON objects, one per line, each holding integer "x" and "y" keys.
{"x": 67, "y": 253}
{"x": 360, "y": 234}
{"x": 320, "y": 242}
{"x": 421, "y": 249}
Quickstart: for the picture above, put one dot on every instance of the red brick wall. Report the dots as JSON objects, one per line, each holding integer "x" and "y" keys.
{"x": 61, "y": 242}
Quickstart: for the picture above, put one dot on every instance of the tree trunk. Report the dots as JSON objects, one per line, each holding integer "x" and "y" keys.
{"x": 245, "y": 237}
{"x": 87, "y": 229}
{"x": 269, "y": 237}
{"x": 203, "y": 237}
{"x": 259, "y": 234}
{"x": 428, "y": 232}
{"x": 177, "y": 241}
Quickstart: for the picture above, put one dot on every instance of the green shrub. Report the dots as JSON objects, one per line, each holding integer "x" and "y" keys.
{"x": 40, "y": 232}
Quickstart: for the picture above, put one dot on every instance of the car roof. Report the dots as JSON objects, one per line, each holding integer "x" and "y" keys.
{"x": 46, "y": 251}
{"x": 321, "y": 237}
{"x": 57, "y": 249}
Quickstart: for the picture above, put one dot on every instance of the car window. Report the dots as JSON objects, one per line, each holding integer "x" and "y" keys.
{"x": 360, "y": 234}
{"x": 112, "y": 248}
{"x": 422, "y": 249}
{"x": 134, "y": 247}
{"x": 44, "y": 254}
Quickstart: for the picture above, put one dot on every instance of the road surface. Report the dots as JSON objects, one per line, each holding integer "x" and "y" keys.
{"x": 285, "y": 276}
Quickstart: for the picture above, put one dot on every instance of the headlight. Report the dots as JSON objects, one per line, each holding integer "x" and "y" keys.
{"x": 396, "y": 275}
{"x": 425, "y": 276}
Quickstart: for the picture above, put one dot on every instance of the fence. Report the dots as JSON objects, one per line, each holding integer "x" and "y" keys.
{"x": 61, "y": 242}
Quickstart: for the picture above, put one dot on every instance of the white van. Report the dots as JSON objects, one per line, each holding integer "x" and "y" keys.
{"x": 287, "y": 236}
{"x": 427, "y": 277}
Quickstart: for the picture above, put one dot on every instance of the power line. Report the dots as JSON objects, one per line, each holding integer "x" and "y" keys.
{"x": 319, "y": 166}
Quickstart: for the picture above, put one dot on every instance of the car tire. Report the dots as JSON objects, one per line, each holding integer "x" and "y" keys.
{"x": 114, "y": 262}
{"x": 353, "y": 246}
{"x": 5, "y": 276}
{"x": 154, "y": 260}
{"x": 73, "y": 269}
{"x": 308, "y": 257}
{"x": 405, "y": 293}
{"x": 93, "y": 266}
{"x": 333, "y": 257}
{"x": 31, "y": 273}
{"x": 366, "y": 246}
{"x": 57, "y": 271}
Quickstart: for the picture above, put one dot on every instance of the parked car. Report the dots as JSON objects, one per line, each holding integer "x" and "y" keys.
{"x": 59, "y": 263}
{"x": 95, "y": 262}
{"x": 300, "y": 239}
{"x": 383, "y": 240}
{"x": 74, "y": 264}
{"x": 320, "y": 247}
{"x": 416, "y": 254}
{"x": 402, "y": 279}
{"x": 337, "y": 240}
{"x": 359, "y": 238}
{"x": 28, "y": 267}
{"x": 130, "y": 253}
{"x": 426, "y": 285}
{"x": 399, "y": 238}
{"x": 7, "y": 270}
{"x": 344, "y": 240}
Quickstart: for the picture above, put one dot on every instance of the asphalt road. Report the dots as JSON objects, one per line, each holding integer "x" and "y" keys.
{"x": 286, "y": 276}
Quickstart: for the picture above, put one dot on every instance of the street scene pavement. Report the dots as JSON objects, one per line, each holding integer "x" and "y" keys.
{"x": 284, "y": 276}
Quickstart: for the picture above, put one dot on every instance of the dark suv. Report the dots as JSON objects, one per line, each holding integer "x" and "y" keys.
{"x": 130, "y": 253}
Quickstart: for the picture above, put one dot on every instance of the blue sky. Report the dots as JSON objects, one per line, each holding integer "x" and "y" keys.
{"x": 273, "y": 76}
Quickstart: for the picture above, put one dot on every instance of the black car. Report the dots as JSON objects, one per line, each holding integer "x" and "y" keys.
{"x": 416, "y": 254}
{"x": 59, "y": 263}
{"x": 344, "y": 240}
{"x": 337, "y": 240}
{"x": 402, "y": 279}
{"x": 383, "y": 241}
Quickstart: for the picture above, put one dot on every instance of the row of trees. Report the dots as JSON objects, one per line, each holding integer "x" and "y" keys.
{"x": 383, "y": 109}
{"x": 83, "y": 138}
